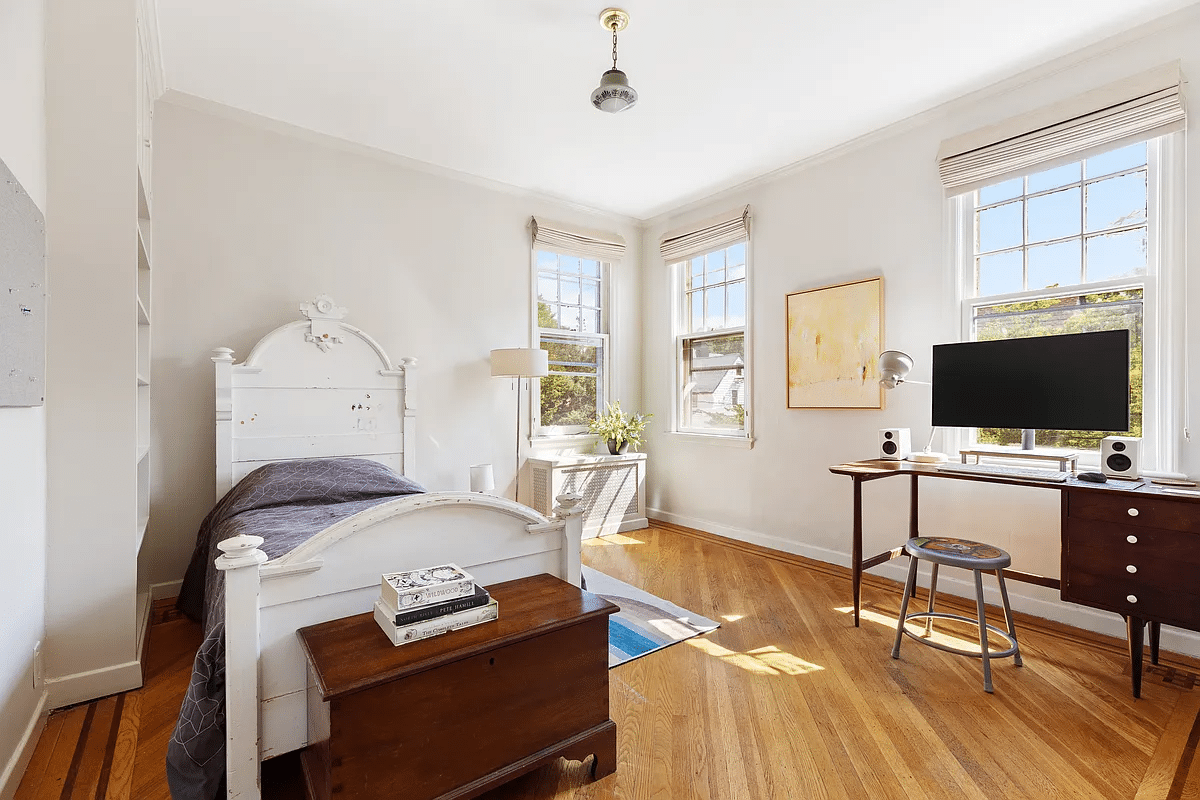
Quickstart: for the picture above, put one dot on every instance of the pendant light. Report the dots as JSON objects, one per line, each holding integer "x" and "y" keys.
{"x": 614, "y": 92}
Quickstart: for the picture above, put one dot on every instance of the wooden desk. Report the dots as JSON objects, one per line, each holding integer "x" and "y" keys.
{"x": 456, "y": 715}
{"x": 1130, "y": 549}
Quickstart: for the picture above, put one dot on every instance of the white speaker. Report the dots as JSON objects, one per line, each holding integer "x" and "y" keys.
{"x": 1119, "y": 456}
{"x": 894, "y": 444}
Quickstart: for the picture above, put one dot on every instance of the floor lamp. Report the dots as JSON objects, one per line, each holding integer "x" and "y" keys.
{"x": 517, "y": 363}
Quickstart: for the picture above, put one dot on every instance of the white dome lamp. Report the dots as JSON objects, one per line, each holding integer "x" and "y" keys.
{"x": 614, "y": 92}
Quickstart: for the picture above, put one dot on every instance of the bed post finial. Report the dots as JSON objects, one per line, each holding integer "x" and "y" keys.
{"x": 239, "y": 561}
{"x": 570, "y": 511}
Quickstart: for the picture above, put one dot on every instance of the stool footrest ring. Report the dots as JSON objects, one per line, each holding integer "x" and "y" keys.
{"x": 1012, "y": 642}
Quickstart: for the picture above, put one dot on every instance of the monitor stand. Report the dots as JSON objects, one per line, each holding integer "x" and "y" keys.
{"x": 1028, "y": 435}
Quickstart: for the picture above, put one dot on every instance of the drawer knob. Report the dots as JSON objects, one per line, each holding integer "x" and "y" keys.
{"x": 1131, "y": 598}
{"x": 1131, "y": 568}
{"x": 1131, "y": 539}
{"x": 1133, "y": 512}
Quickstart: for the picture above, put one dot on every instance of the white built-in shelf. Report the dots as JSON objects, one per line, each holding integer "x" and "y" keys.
{"x": 143, "y": 315}
{"x": 143, "y": 198}
{"x": 143, "y": 523}
{"x": 143, "y": 246}
{"x": 142, "y": 452}
{"x": 142, "y": 381}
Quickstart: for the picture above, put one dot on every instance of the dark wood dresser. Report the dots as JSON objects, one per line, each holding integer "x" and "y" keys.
{"x": 456, "y": 715}
{"x": 1137, "y": 554}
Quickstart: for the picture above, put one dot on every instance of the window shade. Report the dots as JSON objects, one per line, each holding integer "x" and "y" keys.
{"x": 713, "y": 234}
{"x": 1132, "y": 110}
{"x": 576, "y": 241}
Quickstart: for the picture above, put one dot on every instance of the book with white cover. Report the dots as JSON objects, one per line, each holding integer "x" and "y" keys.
{"x": 404, "y": 634}
{"x": 419, "y": 586}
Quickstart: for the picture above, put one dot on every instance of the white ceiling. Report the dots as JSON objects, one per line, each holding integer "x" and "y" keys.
{"x": 729, "y": 89}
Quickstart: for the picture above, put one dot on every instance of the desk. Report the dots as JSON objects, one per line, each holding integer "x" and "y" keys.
{"x": 1130, "y": 549}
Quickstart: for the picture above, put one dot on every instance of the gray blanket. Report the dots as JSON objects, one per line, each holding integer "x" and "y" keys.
{"x": 286, "y": 504}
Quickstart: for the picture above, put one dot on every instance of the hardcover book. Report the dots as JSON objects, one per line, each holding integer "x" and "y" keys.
{"x": 433, "y": 610}
{"x": 418, "y": 587}
{"x": 404, "y": 634}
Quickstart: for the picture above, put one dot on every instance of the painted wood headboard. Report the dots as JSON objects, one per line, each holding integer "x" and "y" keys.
{"x": 314, "y": 388}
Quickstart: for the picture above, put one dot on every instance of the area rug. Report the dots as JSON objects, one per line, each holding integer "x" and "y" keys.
{"x": 645, "y": 623}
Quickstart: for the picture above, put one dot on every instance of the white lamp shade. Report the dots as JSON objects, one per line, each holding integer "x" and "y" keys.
{"x": 520, "y": 362}
{"x": 894, "y": 367}
{"x": 482, "y": 479}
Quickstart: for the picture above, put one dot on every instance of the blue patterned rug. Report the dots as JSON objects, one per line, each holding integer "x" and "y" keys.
{"x": 645, "y": 623}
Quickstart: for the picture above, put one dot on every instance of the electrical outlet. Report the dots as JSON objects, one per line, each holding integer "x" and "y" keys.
{"x": 39, "y": 667}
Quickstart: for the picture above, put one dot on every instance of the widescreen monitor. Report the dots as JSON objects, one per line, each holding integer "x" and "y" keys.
{"x": 1077, "y": 381}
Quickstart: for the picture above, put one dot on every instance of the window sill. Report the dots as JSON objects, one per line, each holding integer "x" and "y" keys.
{"x": 740, "y": 442}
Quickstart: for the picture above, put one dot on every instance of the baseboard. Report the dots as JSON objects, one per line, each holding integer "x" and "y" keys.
{"x": 160, "y": 591}
{"x": 1033, "y": 600}
{"x": 14, "y": 770}
{"x": 84, "y": 686}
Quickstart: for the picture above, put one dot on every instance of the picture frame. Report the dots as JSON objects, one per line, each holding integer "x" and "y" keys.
{"x": 834, "y": 337}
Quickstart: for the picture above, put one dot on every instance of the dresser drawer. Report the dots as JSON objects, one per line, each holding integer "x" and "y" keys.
{"x": 1149, "y": 602}
{"x": 1129, "y": 544}
{"x": 1146, "y": 511}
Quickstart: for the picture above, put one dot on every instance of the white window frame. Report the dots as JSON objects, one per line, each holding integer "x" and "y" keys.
{"x": 606, "y": 391}
{"x": 679, "y": 315}
{"x": 1162, "y": 309}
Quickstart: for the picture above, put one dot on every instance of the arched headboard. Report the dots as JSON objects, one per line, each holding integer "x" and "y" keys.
{"x": 314, "y": 388}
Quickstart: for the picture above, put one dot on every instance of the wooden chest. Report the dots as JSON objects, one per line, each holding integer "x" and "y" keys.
{"x": 461, "y": 713}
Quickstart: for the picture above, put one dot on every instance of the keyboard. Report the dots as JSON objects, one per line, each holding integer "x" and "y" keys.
{"x": 1015, "y": 473}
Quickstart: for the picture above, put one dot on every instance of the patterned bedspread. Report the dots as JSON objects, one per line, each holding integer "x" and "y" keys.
{"x": 286, "y": 504}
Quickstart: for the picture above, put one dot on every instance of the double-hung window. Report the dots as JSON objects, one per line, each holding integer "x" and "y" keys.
{"x": 710, "y": 266}
{"x": 572, "y": 269}
{"x": 1076, "y": 246}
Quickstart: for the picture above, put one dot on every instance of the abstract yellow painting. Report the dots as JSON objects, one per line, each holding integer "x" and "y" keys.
{"x": 834, "y": 335}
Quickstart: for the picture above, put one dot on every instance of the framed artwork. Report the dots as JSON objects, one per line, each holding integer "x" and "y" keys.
{"x": 834, "y": 337}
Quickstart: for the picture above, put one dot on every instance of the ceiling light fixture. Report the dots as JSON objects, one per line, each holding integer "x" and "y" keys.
{"x": 614, "y": 92}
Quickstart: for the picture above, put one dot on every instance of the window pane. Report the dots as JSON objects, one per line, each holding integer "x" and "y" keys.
{"x": 547, "y": 288}
{"x": 589, "y": 321}
{"x": 1058, "y": 264}
{"x": 715, "y": 383}
{"x": 591, "y": 293}
{"x": 1114, "y": 202}
{"x": 999, "y": 227}
{"x": 715, "y": 262}
{"x": 1115, "y": 255}
{"x": 1000, "y": 191}
{"x": 568, "y": 318}
{"x": 697, "y": 315}
{"x": 1052, "y": 178}
{"x": 714, "y": 308}
{"x": 737, "y": 304}
{"x": 569, "y": 287}
{"x": 1054, "y": 215}
{"x": 591, "y": 268}
{"x": 547, "y": 260}
{"x": 736, "y": 272}
{"x": 570, "y": 394}
{"x": 697, "y": 273}
{"x": 1000, "y": 273}
{"x": 735, "y": 254}
{"x": 547, "y": 315}
{"x": 1116, "y": 160}
{"x": 569, "y": 264}
{"x": 1079, "y": 314}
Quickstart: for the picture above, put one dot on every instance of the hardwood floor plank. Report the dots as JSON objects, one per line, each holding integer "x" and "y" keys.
{"x": 63, "y": 754}
{"x": 124, "y": 752}
{"x": 39, "y": 762}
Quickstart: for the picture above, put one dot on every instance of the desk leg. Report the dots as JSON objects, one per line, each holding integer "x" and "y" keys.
{"x": 856, "y": 550}
{"x": 1154, "y": 632}
{"x": 913, "y": 512}
{"x": 1134, "y": 629}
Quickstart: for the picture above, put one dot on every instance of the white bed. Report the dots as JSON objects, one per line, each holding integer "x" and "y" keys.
{"x": 319, "y": 388}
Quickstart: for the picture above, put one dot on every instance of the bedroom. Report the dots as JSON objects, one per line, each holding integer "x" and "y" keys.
{"x": 251, "y": 220}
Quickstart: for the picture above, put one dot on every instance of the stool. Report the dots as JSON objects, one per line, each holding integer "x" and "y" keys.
{"x": 978, "y": 558}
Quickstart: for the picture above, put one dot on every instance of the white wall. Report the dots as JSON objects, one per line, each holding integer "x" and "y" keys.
{"x": 22, "y": 430}
{"x": 876, "y": 208}
{"x": 248, "y": 223}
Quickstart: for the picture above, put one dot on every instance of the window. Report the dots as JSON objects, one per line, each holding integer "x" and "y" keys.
{"x": 1069, "y": 249}
{"x": 571, "y": 325}
{"x": 711, "y": 342}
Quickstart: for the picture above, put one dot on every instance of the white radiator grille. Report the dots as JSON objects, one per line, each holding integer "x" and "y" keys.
{"x": 609, "y": 493}
{"x": 541, "y": 490}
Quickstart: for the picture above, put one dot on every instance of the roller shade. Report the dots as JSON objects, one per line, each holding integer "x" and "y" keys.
{"x": 712, "y": 234}
{"x": 576, "y": 241}
{"x": 1132, "y": 110}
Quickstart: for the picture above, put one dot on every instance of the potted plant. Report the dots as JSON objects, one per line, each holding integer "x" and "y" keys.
{"x": 618, "y": 429}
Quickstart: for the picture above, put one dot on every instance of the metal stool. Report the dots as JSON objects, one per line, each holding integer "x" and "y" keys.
{"x": 978, "y": 558}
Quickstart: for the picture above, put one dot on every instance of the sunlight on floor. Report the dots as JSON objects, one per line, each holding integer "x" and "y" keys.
{"x": 673, "y": 629}
{"x": 918, "y": 627}
{"x": 732, "y": 617}
{"x": 612, "y": 538}
{"x": 768, "y": 660}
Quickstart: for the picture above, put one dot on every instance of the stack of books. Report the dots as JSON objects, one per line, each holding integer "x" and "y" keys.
{"x": 420, "y": 603}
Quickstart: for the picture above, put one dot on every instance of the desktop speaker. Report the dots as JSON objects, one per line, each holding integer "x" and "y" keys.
{"x": 1119, "y": 456}
{"x": 894, "y": 444}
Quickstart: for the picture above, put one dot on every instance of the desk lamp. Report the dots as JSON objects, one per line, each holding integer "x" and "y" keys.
{"x": 517, "y": 363}
{"x": 894, "y": 367}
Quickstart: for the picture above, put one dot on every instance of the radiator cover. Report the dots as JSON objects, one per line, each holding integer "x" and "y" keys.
{"x": 612, "y": 487}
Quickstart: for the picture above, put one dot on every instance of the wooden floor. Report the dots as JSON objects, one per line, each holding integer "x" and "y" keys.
{"x": 786, "y": 700}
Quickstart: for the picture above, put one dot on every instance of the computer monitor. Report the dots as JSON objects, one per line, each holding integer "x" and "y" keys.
{"x": 1077, "y": 381}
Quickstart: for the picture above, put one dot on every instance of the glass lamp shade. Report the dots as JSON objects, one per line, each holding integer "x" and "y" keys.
{"x": 614, "y": 92}
{"x": 894, "y": 367}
